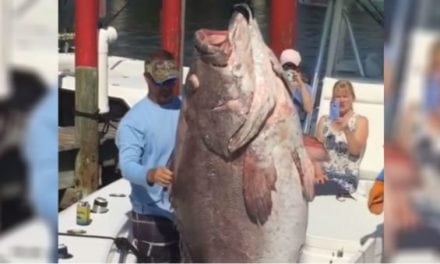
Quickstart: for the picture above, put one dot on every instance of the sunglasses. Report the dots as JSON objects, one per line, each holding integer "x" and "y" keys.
{"x": 287, "y": 66}
{"x": 166, "y": 84}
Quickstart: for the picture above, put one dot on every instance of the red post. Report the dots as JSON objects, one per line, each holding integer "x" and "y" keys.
{"x": 282, "y": 25}
{"x": 171, "y": 30}
{"x": 86, "y": 33}
{"x": 86, "y": 96}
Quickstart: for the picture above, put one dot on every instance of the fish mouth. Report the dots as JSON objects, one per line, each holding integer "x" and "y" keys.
{"x": 241, "y": 17}
{"x": 213, "y": 46}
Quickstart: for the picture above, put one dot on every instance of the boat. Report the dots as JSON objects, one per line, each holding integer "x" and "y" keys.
{"x": 340, "y": 230}
{"x": 375, "y": 4}
{"x": 320, "y": 3}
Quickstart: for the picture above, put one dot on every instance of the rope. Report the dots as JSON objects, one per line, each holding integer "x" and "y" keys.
{"x": 94, "y": 116}
{"x": 100, "y": 118}
{"x": 107, "y": 124}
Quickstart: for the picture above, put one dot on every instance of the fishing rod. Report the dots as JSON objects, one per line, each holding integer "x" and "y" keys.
{"x": 107, "y": 22}
{"x": 379, "y": 12}
{"x": 121, "y": 243}
{"x": 379, "y": 20}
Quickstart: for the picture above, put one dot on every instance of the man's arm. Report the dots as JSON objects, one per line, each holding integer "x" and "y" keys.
{"x": 131, "y": 146}
{"x": 306, "y": 98}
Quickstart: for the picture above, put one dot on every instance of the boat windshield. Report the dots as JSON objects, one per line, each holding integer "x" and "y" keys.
{"x": 428, "y": 15}
{"x": 356, "y": 50}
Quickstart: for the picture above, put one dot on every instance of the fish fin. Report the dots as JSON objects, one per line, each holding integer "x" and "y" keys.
{"x": 276, "y": 65}
{"x": 306, "y": 175}
{"x": 264, "y": 98}
{"x": 316, "y": 150}
{"x": 259, "y": 178}
{"x": 262, "y": 106}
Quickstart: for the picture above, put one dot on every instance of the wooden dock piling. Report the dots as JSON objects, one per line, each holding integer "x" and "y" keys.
{"x": 86, "y": 96}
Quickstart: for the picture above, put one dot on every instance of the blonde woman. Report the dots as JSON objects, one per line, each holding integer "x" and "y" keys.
{"x": 344, "y": 135}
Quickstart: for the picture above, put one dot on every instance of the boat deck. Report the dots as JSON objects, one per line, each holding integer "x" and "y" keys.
{"x": 339, "y": 231}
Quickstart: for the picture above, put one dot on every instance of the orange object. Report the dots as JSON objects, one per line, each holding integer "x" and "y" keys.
{"x": 376, "y": 198}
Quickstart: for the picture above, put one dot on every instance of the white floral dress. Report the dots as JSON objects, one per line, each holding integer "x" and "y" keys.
{"x": 343, "y": 167}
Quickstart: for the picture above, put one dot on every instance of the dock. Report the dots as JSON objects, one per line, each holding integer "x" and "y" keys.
{"x": 67, "y": 139}
{"x": 68, "y": 150}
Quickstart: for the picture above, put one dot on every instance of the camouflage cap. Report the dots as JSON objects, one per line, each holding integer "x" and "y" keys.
{"x": 162, "y": 70}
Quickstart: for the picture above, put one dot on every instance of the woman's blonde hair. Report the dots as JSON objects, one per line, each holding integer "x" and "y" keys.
{"x": 343, "y": 84}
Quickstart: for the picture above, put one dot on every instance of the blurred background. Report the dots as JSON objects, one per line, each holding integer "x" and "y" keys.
{"x": 138, "y": 26}
{"x": 28, "y": 70}
{"x": 412, "y": 150}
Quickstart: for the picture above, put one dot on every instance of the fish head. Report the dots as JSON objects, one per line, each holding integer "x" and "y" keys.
{"x": 220, "y": 83}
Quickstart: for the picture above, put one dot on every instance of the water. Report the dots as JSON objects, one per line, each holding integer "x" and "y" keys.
{"x": 138, "y": 26}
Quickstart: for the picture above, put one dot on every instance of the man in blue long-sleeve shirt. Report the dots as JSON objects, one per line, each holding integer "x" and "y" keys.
{"x": 146, "y": 138}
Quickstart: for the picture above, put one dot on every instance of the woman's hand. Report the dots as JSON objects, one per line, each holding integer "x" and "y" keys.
{"x": 320, "y": 177}
{"x": 342, "y": 122}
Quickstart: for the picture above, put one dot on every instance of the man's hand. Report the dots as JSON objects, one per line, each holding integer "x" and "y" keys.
{"x": 161, "y": 175}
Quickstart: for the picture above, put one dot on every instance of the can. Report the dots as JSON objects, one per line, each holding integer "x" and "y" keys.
{"x": 100, "y": 206}
{"x": 83, "y": 213}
